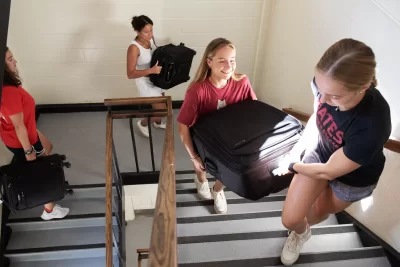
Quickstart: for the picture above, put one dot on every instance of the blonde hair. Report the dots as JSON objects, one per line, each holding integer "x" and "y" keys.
{"x": 350, "y": 62}
{"x": 204, "y": 70}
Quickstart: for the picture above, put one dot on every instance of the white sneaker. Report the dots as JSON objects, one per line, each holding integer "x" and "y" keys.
{"x": 143, "y": 129}
{"x": 203, "y": 189}
{"x": 162, "y": 125}
{"x": 220, "y": 204}
{"x": 57, "y": 213}
{"x": 293, "y": 245}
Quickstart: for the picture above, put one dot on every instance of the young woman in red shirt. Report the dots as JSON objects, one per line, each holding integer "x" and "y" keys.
{"x": 215, "y": 85}
{"x": 18, "y": 126}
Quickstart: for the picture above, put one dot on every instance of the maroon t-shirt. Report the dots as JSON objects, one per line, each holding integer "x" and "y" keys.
{"x": 203, "y": 97}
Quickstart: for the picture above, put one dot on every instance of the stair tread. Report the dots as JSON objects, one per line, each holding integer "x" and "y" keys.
{"x": 357, "y": 257}
{"x": 56, "y": 238}
{"x": 73, "y": 252}
{"x": 88, "y": 262}
{"x": 239, "y": 226}
{"x": 232, "y": 209}
{"x": 263, "y": 248}
{"x": 228, "y": 195}
{"x": 76, "y": 206}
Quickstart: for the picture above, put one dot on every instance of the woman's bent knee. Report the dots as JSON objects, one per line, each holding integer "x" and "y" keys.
{"x": 291, "y": 221}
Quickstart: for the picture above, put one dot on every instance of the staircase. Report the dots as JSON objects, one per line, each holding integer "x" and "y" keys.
{"x": 76, "y": 240}
{"x": 251, "y": 234}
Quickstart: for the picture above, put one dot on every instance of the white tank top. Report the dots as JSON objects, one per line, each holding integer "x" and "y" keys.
{"x": 144, "y": 59}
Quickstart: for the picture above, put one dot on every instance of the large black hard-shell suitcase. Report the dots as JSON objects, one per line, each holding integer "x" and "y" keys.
{"x": 241, "y": 144}
{"x": 176, "y": 61}
{"x": 33, "y": 183}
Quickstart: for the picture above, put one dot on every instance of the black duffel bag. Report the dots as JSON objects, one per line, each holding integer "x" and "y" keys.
{"x": 176, "y": 61}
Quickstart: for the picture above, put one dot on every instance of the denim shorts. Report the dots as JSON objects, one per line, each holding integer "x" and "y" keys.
{"x": 350, "y": 193}
{"x": 20, "y": 152}
{"x": 342, "y": 191}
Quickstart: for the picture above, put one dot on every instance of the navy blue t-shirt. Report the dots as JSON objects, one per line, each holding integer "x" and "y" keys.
{"x": 361, "y": 131}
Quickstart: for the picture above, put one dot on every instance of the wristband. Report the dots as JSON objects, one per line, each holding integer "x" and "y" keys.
{"x": 195, "y": 157}
{"x": 290, "y": 168}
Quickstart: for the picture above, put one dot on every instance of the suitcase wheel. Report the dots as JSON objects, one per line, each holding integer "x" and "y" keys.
{"x": 67, "y": 165}
{"x": 63, "y": 157}
{"x": 70, "y": 192}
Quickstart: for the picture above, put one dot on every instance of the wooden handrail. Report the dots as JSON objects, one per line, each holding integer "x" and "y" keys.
{"x": 392, "y": 145}
{"x": 163, "y": 244}
{"x": 109, "y": 182}
{"x": 135, "y": 101}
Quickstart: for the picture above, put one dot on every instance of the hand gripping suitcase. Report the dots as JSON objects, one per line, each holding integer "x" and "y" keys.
{"x": 241, "y": 144}
{"x": 33, "y": 183}
{"x": 176, "y": 61}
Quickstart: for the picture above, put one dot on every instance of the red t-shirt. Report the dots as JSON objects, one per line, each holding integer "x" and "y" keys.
{"x": 202, "y": 98}
{"x": 13, "y": 101}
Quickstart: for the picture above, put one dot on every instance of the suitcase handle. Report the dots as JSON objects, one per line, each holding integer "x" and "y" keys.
{"x": 211, "y": 166}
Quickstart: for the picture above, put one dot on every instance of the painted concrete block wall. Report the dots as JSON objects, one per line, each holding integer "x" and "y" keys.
{"x": 75, "y": 51}
{"x": 297, "y": 34}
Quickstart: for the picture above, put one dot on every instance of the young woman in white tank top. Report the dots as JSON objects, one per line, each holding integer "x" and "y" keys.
{"x": 139, "y": 56}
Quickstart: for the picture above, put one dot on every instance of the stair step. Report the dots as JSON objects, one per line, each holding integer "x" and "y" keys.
{"x": 259, "y": 247}
{"x": 239, "y": 226}
{"x": 72, "y": 221}
{"x": 208, "y": 210}
{"x": 89, "y": 262}
{"x": 89, "y": 191}
{"x": 355, "y": 257}
{"x": 81, "y": 207}
{"x": 228, "y": 195}
{"x": 58, "y": 254}
{"x": 51, "y": 239}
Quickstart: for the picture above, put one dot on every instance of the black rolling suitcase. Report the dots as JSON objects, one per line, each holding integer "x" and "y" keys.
{"x": 241, "y": 144}
{"x": 176, "y": 61}
{"x": 30, "y": 184}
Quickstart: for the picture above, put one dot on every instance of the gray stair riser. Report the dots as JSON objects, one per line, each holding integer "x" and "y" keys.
{"x": 56, "y": 238}
{"x": 263, "y": 248}
{"x": 59, "y": 255}
{"x": 59, "y": 224}
{"x": 232, "y": 209}
{"x": 89, "y": 262}
{"x": 94, "y": 192}
{"x": 228, "y": 195}
{"x": 239, "y": 226}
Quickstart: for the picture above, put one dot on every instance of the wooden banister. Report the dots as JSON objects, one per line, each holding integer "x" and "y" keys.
{"x": 109, "y": 182}
{"x": 392, "y": 145}
{"x": 163, "y": 244}
{"x": 135, "y": 101}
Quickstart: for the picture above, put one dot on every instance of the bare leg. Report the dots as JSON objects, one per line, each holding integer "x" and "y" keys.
{"x": 302, "y": 194}
{"x": 218, "y": 186}
{"x": 327, "y": 203}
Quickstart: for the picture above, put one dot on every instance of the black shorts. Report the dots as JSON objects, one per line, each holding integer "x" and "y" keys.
{"x": 20, "y": 152}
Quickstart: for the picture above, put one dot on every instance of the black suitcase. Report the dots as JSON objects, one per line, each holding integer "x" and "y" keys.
{"x": 241, "y": 144}
{"x": 33, "y": 183}
{"x": 176, "y": 61}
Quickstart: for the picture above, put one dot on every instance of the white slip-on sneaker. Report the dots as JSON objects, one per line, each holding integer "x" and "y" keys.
{"x": 143, "y": 129}
{"x": 220, "y": 204}
{"x": 293, "y": 245}
{"x": 161, "y": 125}
{"x": 203, "y": 189}
{"x": 57, "y": 213}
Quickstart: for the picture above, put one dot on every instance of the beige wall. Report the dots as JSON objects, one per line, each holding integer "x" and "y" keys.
{"x": 298, "y": 33}
{"x": 75, "y": 51}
